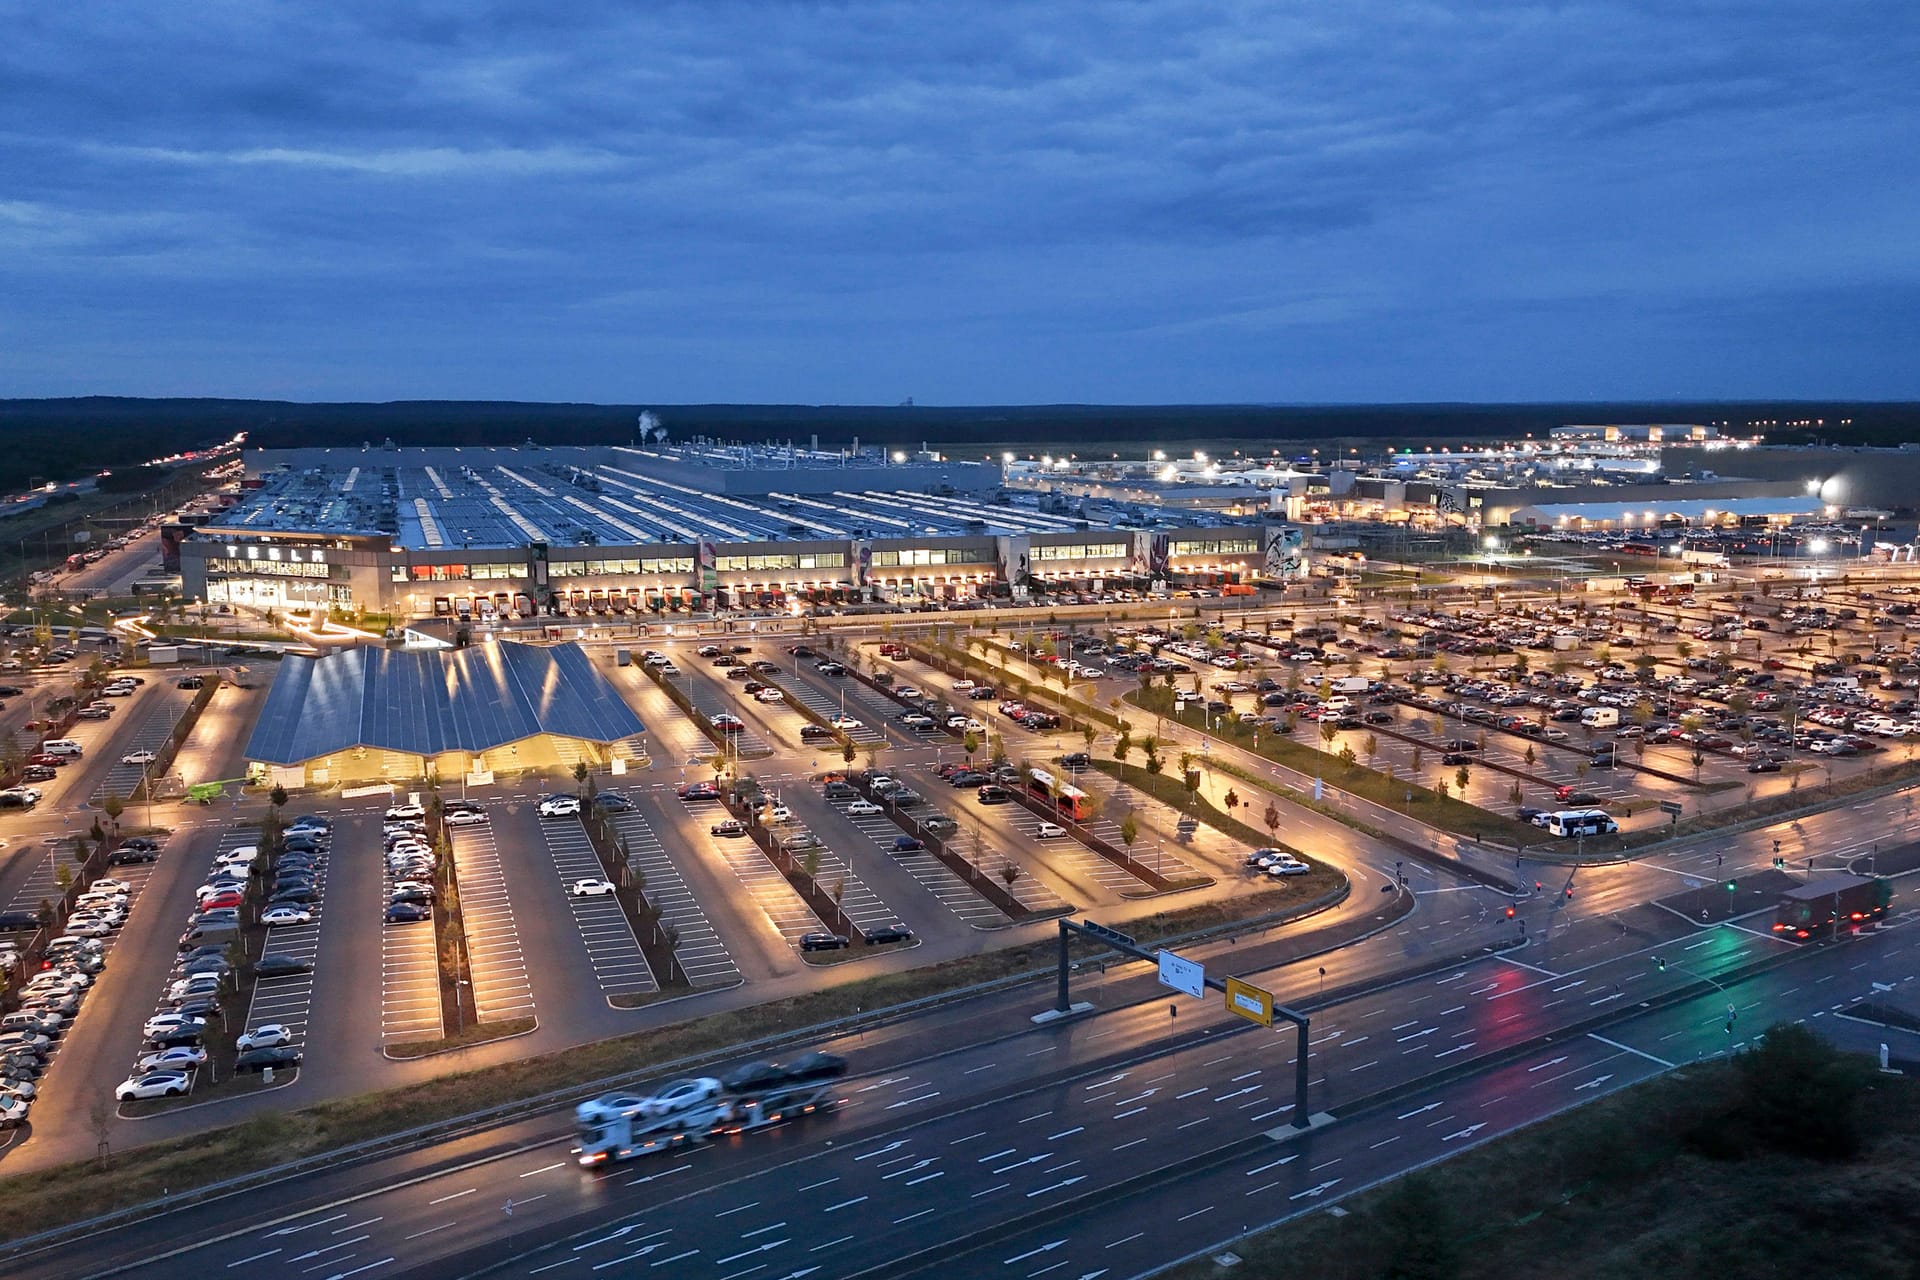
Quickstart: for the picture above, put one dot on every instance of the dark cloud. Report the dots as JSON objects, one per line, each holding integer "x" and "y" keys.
{"x": 1028, "y": 200}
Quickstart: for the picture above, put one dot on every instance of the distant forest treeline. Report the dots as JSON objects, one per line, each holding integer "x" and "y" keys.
{"x": 64, "y": 439}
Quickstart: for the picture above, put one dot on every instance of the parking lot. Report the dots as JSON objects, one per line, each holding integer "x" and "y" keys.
{"x": 701, "y": 955}
{"x": 767, "y": 889}
{"x": 932, "y": 874}
{"x": 612, "y": 950}
{"x": 501, "y": 988}
{"x": 149, "y": 731}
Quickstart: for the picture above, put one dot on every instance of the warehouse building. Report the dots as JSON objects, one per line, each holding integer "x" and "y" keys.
{"x": 657, "y": 529}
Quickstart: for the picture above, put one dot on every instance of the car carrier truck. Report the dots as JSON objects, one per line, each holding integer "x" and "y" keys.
{"x": 1822, "y": 908}
{"x": 622, "y": 1126}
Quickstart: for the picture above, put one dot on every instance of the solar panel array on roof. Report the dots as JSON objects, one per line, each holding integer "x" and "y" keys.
{"x": 426, "y": 703}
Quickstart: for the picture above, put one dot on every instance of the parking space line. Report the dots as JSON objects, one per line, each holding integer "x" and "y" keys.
{"x": 501, "y": 989}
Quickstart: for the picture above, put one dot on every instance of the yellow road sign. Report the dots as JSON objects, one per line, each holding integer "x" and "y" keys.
{"x": 1250, "y": 1002}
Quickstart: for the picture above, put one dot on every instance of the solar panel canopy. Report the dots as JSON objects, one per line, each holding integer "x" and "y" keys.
{"x": 434, "y": 701}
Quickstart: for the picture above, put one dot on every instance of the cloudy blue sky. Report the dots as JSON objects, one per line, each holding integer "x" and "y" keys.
{"x": 992, "y": 201}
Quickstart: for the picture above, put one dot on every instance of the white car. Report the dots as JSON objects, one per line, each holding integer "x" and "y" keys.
{"x": 106, "y": 884}
{"x": 285, "y": 913}
{"x": 844, "y": 722}
{"x": 270, "y": 1035}
{"x": 195, "y": 987}
{"x": 769, "y": 695}
{"x": 83, "y": 927}
{"x": 139, "y": 757}
{"x": 466, "y": 817}
{"x": 1050, "y": 830}
{"x": 161, "y": 1024}
{"x": 862, "y": 807}
{"x": 13, "y": 1112}
{"x": 780, "y": 813}
{"x": 559, "y": 806}
{"x": 590, "y": 888}
{"x": 182, "y": 1057}
{"x": 400, "y": 812}
{"x": 241, "y": 857}
{"x": 153, "y": 1084}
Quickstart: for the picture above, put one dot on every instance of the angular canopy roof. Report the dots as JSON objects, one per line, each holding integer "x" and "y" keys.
{"x": 425, "y": 703}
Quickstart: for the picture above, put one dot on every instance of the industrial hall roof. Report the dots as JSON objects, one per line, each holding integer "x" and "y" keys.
{"x": 428, "y": 702}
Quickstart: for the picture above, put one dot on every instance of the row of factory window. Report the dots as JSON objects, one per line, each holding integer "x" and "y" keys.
{"x": 778, "y": 560}
{"x": 933, "y": 555}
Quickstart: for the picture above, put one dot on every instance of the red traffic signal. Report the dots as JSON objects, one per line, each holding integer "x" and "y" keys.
{"x": 1509, "y": 913}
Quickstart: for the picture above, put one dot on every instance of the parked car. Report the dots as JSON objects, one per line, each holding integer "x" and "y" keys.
{"x": 153, "y": 1084}
{"x": 823, "y": 942}
{"x": 278, "y": 1057}
{"x": 559, "y": 806}
{"x": 888, "y": 933}
{"x": 590, "y": 887}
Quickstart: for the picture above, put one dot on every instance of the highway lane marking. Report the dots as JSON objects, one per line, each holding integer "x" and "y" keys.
{"x": 970, "y": 1070}
{"x": 430, "y": 1230}
{"x": 1377, "y": 1145}
{"x": 1126, "y": 1240}
{"x": 1136, "y": 1142}
{"x": 294, "y": 1231}
{"x": 1456, "y": 1009}
{"x": 1196, "y": 1213}
{"x": 1630, "y": 1049}
{"x": 748, "y": 1253}
{"x": 1544, "y": 1065}
{"x": 1493, "y": 1101}
{"x": 367, "y": 1223}
{"x": 910, "y": 1217}
{"x": 1459, "y": 1048}
{"x": 1692, "y": 946}
{"x": 957, "y": 1141}
{"x": 1403, "y": 1026}
{"x": 342, "y": 1275}
{"x": 254, "y": 1258}
{"x": 1417, "y": 1111}
{"x": 1416, "y": 1035}
{"x": 1042, "y": 1116}
{"x": 814, "y": 1186}
{"x": 1122, "y": 1115}
{"x": 739, "y": 1208}
{"x": 830, "y": 1244}
{"x": 551, "y": 1265}
{"x": 443, "y": 1199}
{"x": 1191, "y": 1093}
{"x": 557, "y": 1164}
{"x": 1246, "y": 1076}
{"x": 1189, "y": 1124}
{"x": 907, "y": 1102}
{"x": 1041, "y": 1191}
{"x": 1066, "y": 1133}
{"x": 989, "y": 1191}
{"x": 846, "y": 1204}
{"x": 675, "y": 1258}
{"x": 996, "y": 1155}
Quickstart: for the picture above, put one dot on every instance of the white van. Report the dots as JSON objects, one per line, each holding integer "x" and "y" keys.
{"x": 1600, "y": 717}
{"x": 1568, "y": 823}
{"x": 62, "y": 747}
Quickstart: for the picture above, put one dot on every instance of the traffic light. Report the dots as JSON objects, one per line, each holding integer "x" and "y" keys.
{"x": 1779, "y": 863}
{"x": 1732, "y": 887}
{"x": 1661, "y": 961}
{"x": 1510, "y": 913}
{"x": 1569, "y": 892}
{"x": 1537, "y": 886}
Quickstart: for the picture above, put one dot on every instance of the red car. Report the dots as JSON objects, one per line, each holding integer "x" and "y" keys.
{"x": 49, "y": 759}
{"x": 219, "y": 900}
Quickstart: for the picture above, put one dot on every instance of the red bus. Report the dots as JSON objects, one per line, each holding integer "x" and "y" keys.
{"x": 1071, "y": 801}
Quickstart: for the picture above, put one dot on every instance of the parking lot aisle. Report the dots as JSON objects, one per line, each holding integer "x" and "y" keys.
{"x": 862, "y": 905}
{"x": 43, "y": 882}
{"x": 1116, "y": 799}
{"x": 612, "y": 950}
{"x": 288, "y": 1000}
{"x": 137, "y": 877}
{"x": 409, "y": 973}
{"x": 149, "y": 734}
{"x": 1067, "y": 852}
{"x": 701, "y": 955}
{"x": 676, "y": 740}
{"x": 709, "y": 702}
{"x": 209, "y": 753}
{"x": 233, "y": 837}
{"x": 933, "y": 875}
{"x": 827, "y": 706}
{"x": 501, "y": 988}
{"x": 781, "y": 902}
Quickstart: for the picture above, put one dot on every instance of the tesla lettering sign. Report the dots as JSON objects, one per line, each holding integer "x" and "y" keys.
{"x": 1250, "y": 1002}
{"x": 1182, "y": 974}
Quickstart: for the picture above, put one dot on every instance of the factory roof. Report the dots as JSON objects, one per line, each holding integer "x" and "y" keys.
{"x": 1684, "y": 508}
{"x": 426, "y": 703}
{"x": 503, "y": 499}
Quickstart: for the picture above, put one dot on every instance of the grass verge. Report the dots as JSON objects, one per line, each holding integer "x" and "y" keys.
{"x": 477, "y": 1033}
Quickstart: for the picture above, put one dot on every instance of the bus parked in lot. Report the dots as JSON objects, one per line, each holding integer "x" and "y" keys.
{"x": 1568, "y": 823}
{"x": 1069, "y": 800}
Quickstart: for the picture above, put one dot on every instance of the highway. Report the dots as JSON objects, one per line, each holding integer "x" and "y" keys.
{"x": 1036, "y": 1138}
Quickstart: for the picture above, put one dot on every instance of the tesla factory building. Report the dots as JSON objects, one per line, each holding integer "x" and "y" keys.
{"x": 658, "y": 528}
